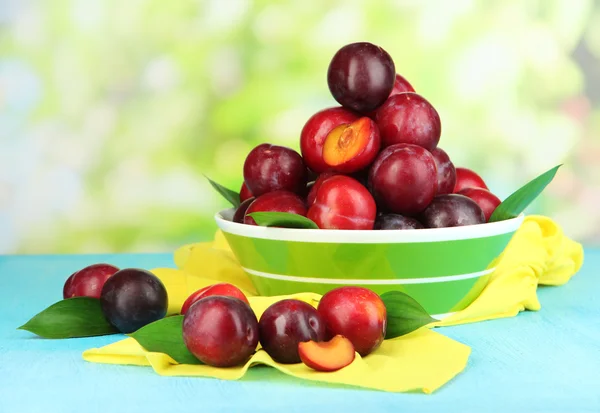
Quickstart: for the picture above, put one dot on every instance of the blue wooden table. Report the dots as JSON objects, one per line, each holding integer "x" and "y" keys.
{"x": 547, "y": 361}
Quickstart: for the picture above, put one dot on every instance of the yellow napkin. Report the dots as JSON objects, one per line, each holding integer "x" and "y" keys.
{"x": 420, "y": 361}
{"x": 424, "y": 360}
{"x": 538, "y": 253}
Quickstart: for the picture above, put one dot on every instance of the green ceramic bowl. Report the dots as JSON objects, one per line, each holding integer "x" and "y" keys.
{"x": 443, "y": 269}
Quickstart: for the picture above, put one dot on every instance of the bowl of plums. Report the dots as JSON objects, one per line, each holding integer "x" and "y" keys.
{"x": 370, "y": 199}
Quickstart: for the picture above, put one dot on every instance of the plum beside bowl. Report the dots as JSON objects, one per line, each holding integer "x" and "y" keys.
{"x": 444, "y": 269}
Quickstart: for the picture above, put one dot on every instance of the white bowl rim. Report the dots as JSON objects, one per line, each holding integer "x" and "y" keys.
{"x": 223, "y": 219}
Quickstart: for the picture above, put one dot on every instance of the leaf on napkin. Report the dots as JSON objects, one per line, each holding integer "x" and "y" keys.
{"x": 522, "y": 197}
{"x": 230, "y": 195}
{"x": 73, "y": 317}
{"x": 404, "y": 314}
{"x": 282, "y": 219}
{"x": 166, "y": 336}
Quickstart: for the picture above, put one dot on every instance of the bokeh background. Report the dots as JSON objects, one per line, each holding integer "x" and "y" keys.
{"x": 112, "y": 111}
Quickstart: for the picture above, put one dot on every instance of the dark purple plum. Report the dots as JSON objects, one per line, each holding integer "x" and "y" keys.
{"x": 132, "y": 298}
{"x": 403, "y": 179}
{"x": 452, "y": 210}
{"x": 396, "y": 221}
{"x": 446, "y": 172}
{"x": 269, "y": 168}
{"x": 240, "y": 212}
{"x": 361, "y": 76}
{"x": 285, "y": 324}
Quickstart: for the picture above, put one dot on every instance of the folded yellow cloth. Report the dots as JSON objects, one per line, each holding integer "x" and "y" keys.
{"x": 539, "y": 253}
{"x": 420, "y": 361}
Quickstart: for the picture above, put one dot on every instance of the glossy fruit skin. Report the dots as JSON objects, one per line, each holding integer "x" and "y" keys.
{"x": 467, "y": 178}
{"x": 269, "y": 168}
{"x": 310, "y": 199}
{"x": 356, "y": 313}
{"x": 409, "y": 118}
{"x": 225, "y": 289}
{"x": 240, "y": 212}
{"x": 403, "y": 179}
{"x": 395, "y": 221}
{"x": 401, "y": 85}
{"x": 245, "y": 192}
{"x": 342, "y": 202}
{"x": 452, "y": 210}
{"x": 220, "y": 331}
{"x": 361, "y": 76}
{"x": 132, "y": 298}
{"x": 315, "y": 132}
{"x": 278, "y": 201}
{"x": 285, "y": 324}
{"x": 88, "y": 281}
{"x": 68, "y": 287}
{"x": 446, "y": 172}
{"x": 366, "y": 131}
{"x": 487, "y": 201}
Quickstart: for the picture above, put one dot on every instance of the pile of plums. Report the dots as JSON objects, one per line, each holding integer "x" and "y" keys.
{"x": 221, "y": 329}
{"x": 371, "y": 163}
{"x": 130, "y": 298}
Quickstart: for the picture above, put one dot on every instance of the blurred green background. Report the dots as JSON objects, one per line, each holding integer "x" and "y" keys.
{"x": 111, "y": 111}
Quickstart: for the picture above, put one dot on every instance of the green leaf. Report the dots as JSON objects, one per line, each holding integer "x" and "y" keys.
{"x": 522, "y": 197}
{"x": 282, "y": 219}
{"x": 230, "y": 195}
{"x": 73, "y": 317}
{"x": 404, "y": 314}
{"x": 166, "y": 336}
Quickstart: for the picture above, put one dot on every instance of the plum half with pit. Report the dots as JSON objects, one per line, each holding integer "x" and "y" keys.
{"x": 269, "y": 168}
{"x": 341, "y": 202}
{"x": 220, "y": 331}
{"x": 277, "y": 201}
{"x": 133, "y": 298}
{"x": 361, "y": 76}
{"x": 452, "y": 210}
{"x": 409, "y": 118}
{"x": 446, "y": 172}
{"x": 285, "y": 324}
{"x": 403, "y": 179}
{"x": 316, "y": 130}
{"x": 352, "y": 147}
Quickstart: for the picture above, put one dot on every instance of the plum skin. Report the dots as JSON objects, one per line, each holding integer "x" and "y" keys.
{"x": 285, "y": 324}
{"x": 452, "y": 210}
{"x": 133, "y": 298}
{"x": 361, "y": 76}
